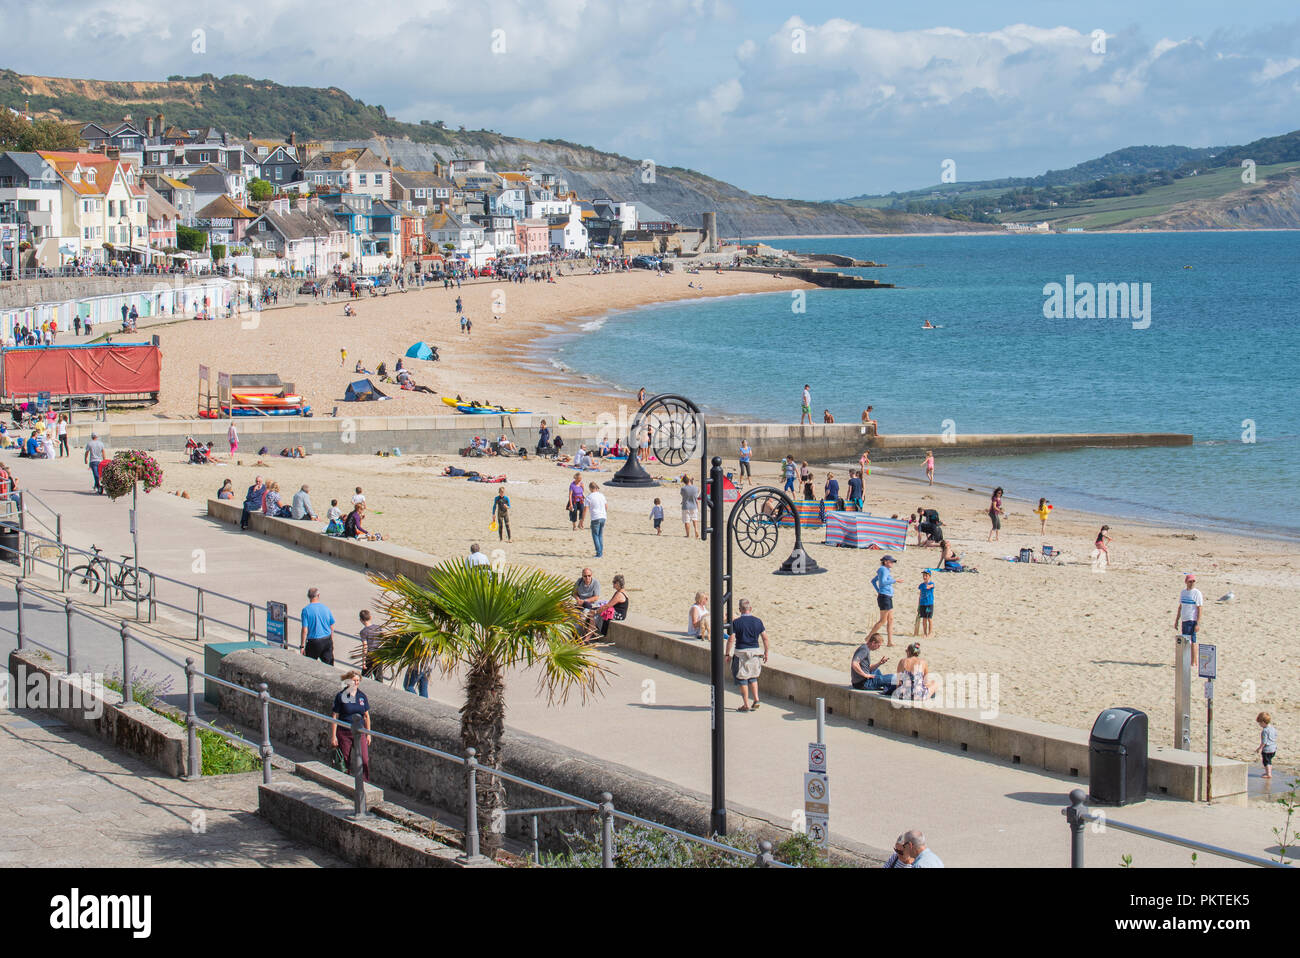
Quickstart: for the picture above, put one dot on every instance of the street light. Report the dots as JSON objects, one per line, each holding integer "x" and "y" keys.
{"x": 754, "y": 524}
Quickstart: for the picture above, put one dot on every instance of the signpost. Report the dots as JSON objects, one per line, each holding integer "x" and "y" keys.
{"x": 1183, "y": 693}
{"x": 817, "y": 786}
{"x": 276, "y": 614}
{"x": 1208, "y": 669}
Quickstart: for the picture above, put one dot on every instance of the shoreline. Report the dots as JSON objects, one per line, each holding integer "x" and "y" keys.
{"x": 1005, "y": 232}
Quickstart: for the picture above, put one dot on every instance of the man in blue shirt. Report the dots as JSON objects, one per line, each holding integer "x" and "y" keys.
{"x": 855, "y": 490}
{"x": 317, "y": 639}
{"x": 832, "y": 488}
{"x": 745, "y": 634}
{"x": 910, "y": 852}
{"x": 883, "y": 583}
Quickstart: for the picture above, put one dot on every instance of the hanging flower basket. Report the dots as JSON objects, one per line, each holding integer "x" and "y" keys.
{"x": 126, "y": 469}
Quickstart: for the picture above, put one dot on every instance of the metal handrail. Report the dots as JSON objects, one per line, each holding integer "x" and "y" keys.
{"x": 1077, "y": 815}
{"x": 605, "y": 807}
{"x": 201, "y": 616}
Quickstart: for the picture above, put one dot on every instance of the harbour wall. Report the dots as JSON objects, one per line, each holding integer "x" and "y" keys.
{"x": 352, "y": 434}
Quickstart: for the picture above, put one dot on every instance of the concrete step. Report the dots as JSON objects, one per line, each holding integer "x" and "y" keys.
{"x": 322, "y": 774}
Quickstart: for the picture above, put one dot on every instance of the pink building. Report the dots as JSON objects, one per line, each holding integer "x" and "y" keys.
{"x": 532, "y": 236}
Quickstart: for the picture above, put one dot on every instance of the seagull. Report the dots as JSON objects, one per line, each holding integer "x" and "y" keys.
{"x": 1229, "y": 597}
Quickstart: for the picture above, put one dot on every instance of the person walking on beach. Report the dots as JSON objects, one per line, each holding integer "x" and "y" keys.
{"x": 640, "y": 397}
{"x": 458, "y": 307}
{"x": 232, "y": 434}
{"x": 929, "y": 466}
{"x": 747, "y": 632}
{"x": 690, "y": 507}
{"x": 855, "y": 491}
{"x": 1043, "y": 511}
{"x": 807, "y": 405}
{"x": 806, "y": 477}
{"x": 575, "y": 501}
{"x": 317, "y": 638}
{"x": 595, "y": 511}
{"x": 1191, "y": 606}
{"x": 343, "y": 358}
{"x": 1267, "y": 747}
{"x": 996, "y": 514}
{"x": 744, "y": 459}
{"x": 883, "y": 583}
{"x": 1101, "y": 552}
{"x": 791, "y": 470}
{"x": 61, "y": 430}
{"x": 657, "y": 516}
{"x": 501, "y": 513}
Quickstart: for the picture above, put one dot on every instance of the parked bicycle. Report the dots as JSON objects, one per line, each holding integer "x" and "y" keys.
{"x": 127, "y": 581}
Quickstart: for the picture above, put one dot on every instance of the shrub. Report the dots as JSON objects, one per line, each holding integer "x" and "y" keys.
{"x": 147, "y": 687}
{"x": 639, "y": 847}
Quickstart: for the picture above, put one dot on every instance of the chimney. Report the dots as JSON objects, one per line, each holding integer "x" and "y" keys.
{"x": 148, "y": 127}
{"x": 159, "y": 125}
{"x": 302, "y": 203}
{"x": 293, "y": 138}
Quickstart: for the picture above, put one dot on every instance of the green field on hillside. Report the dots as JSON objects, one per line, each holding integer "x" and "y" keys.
{"x": 1113, "y": 211}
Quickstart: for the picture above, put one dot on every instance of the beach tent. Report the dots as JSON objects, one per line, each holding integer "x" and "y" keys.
{"x": 859, "y": 530}
{"x": 363, "y": 390}
{"x": 729, "y": 491}
{"x": 420, "y": 351}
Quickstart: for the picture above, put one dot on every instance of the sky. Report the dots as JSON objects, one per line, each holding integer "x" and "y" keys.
{"x": 814, "y": 100}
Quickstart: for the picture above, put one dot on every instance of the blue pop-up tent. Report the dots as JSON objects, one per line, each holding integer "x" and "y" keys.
{"x": 421, "y": 351}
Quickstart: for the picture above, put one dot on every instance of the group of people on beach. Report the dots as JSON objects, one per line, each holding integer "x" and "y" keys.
{"x": 266, "y": 498}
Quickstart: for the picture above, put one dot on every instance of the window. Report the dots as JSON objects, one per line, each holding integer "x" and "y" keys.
{"x": 270, "y": 244}
{"x": 204, "y": 157}
{"x": 261, "y": 226}
{"x": 379, "y": 179}
{"x": 279, "y": 173}
{"x": 361, "y": 179}
{"x": 90, "y": 175}
{"x": 85, "y": 233}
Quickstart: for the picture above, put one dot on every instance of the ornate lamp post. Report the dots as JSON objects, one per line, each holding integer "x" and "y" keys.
{"x": 678, "y": 432}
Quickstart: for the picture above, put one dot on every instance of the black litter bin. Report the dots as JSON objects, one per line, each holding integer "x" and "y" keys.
{"x": 9, "y": 543}
{"x": 1117, "y": 763}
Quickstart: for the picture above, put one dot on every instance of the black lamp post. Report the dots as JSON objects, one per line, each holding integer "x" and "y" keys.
{"x": 754, "y": 523}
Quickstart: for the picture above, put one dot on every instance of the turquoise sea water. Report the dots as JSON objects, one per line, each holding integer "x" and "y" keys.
{"x": 1218, "y": 360}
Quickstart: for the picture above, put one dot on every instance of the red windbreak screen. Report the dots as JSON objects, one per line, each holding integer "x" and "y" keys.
{"x": 82, "y": 370}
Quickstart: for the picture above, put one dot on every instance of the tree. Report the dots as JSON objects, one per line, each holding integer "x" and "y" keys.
{"x": 260, "y": 190}
{"x": 188, "y": 238}
{"x": 50, "y": 135}
{"x": 487, "y": 621}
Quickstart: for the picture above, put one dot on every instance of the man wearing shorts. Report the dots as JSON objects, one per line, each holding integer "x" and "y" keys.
{"x": 317, "y": 639}
{"x": 883, "y": 583}
{"x": 690, "y": 507}
{"x": 746, "y": 633}
{"x": 807, "y": 406}
{"x": 1188, "y": 618}
{"x": 791, "y": 470}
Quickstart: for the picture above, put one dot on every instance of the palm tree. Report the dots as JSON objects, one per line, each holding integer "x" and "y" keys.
{"x": 488, "y": 621}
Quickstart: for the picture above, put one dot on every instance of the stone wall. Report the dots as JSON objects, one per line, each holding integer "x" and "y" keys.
{"x": 351, "y": 432}
{"x": 312, "y": 685}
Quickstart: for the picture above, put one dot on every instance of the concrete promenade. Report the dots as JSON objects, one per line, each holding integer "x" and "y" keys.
{"x": 976, "y": 812}
{"x": 70, "y": 801}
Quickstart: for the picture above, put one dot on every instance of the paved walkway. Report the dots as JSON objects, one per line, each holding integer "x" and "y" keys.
{"x": 975, "y": 811}
{"x": 73, "y": 801}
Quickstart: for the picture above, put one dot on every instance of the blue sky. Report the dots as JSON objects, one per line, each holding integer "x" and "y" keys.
{"x": 815, "y": 100}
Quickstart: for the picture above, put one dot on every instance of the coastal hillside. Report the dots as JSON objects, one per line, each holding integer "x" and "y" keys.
{"x": 1167, "y": 187}
{"x": 262, "y": 108}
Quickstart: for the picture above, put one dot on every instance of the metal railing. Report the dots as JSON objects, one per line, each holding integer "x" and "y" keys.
{"x": 1078, "y": 816}
{"x": 195, "y": 604}
{"x": 603, "y": 808}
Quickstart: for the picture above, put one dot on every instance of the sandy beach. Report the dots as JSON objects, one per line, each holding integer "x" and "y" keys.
{"x": 302, "y": 344}
{"x": 1065, "y": 640}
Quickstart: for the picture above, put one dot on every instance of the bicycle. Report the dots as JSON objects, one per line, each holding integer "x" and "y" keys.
{"x": 99, "y": 570}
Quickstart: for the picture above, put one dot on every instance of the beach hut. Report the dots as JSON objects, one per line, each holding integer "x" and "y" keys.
{"x": 422, "y": 351}
{"x": 859, "y": 530}
{"x": 363, "y": 390}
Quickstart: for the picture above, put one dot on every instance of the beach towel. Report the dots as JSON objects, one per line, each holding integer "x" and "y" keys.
{"x": 860, "y": 530}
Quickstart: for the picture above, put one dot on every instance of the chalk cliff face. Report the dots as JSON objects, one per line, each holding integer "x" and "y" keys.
{"x": 1271, "y": 205}
{"x": 682, "y": 195}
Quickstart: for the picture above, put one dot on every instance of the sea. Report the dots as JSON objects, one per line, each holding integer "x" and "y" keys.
{"x": 1208, "y": 346}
